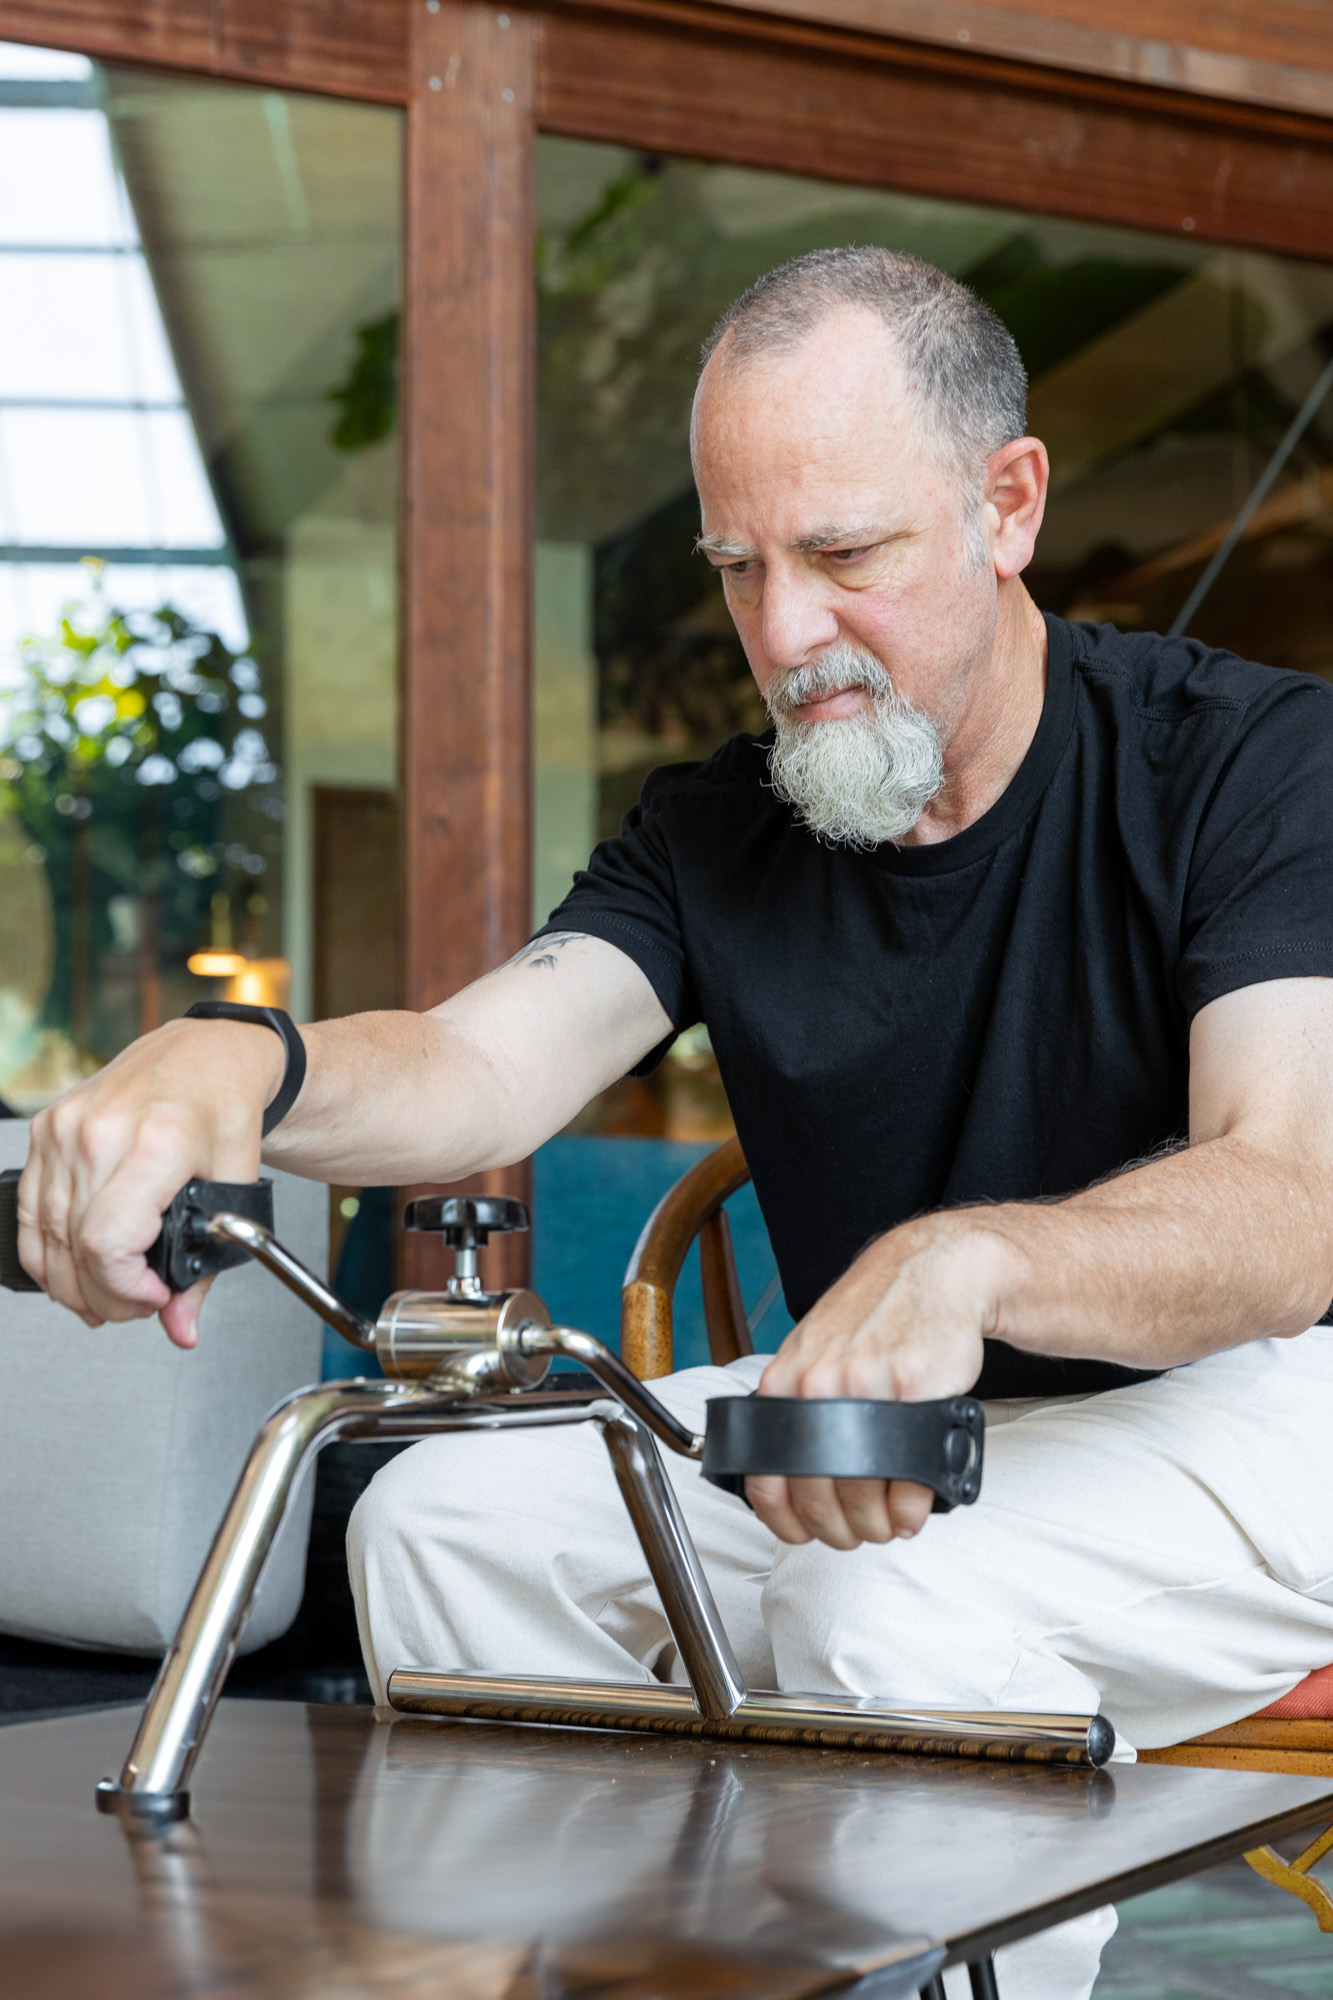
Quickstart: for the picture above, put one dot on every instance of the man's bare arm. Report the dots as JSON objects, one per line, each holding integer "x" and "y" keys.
{"x": 1224, "y": 1242}
{"x": 388, "y": 1098}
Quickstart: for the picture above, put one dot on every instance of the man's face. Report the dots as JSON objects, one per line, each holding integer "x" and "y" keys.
{"x": 835, "y": 530}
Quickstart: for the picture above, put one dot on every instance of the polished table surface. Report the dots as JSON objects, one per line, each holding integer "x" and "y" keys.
{"x": 337, "y": 1856}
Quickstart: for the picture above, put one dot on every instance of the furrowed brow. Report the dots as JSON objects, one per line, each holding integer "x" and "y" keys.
{"x": 862, "y": 534}
{"x": 725, "y": 551}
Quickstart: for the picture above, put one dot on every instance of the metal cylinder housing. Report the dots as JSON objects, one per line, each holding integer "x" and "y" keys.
{"x": 471, "y": 1342}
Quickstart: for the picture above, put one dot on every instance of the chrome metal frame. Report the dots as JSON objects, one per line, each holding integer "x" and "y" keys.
{"x": 483, "y": 1343}
{"x": 823, "y": 1721}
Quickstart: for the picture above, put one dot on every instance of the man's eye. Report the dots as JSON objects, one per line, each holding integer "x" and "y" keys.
{"x": 847, "y": 555}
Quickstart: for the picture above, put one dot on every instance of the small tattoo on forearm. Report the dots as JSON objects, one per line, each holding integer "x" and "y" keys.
{"x": 542, "y": 953}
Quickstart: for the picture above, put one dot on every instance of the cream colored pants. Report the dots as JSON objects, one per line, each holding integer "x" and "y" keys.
{"x": 1163, "y": 1553}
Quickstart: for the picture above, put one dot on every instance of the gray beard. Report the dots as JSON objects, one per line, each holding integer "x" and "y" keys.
{"x": 862, "y": 779}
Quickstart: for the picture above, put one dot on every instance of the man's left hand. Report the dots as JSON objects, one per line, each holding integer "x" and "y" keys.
{"x": 905, "y": 1323}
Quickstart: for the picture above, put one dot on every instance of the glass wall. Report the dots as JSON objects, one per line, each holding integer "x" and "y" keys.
{"x": 197, "y": 555}
{"x": 1164, "y": 373}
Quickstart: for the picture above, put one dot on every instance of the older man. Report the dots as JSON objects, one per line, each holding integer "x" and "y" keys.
{"x": 1015, "y": 947}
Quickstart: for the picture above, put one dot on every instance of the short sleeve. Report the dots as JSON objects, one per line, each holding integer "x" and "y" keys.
{"x": 627, "y": 896}
{"x": 1259, "y": 896}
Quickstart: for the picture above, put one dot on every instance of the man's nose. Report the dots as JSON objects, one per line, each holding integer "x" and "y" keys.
{"x": 798, "y": 622}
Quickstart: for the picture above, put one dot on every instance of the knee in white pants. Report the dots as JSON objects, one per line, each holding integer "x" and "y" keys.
{"x": 490, "y": 1552}
{"x": 513, "y": 1552}
{"x": 916, "y": 1621}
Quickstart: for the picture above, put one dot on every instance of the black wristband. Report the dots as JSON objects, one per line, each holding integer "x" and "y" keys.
{"x": 282, "y": 1025}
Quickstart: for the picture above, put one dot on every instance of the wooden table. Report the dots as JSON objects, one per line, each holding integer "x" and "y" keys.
{"x": 337, "y": 1857}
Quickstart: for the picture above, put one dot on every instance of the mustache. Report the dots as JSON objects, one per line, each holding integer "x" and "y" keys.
{"x": 863, "y": 779}
{"x": 840, "y": 667}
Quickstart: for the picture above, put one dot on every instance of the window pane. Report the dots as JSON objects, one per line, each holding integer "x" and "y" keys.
{"x": 17, "y": 60}
{"x": 78, "y": 327}
{"x": 58, "y": 181}
{"x": 107, "y": 476}
{"x": 197, "y": 383}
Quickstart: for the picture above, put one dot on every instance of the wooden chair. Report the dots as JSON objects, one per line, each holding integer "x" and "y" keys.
{"x": 1293, "y": 1734}
{"x": 693, "y": 1207}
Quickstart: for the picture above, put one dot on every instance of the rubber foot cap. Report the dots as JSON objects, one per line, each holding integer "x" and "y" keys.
{"x": 145, "y": 1808}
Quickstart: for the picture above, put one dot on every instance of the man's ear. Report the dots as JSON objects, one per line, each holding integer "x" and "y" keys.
{"x": 1017, "y": 479}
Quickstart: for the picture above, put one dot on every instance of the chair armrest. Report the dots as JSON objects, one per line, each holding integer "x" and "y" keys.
{"x": 654, "y": 1267}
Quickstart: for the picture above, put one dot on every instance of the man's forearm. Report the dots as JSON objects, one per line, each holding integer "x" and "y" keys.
{"x": 387, "y": 1098}
{"x": 392, "y": 1098}
{"x": 1186, "y": 1255}
{"x": 479, "y": 1082}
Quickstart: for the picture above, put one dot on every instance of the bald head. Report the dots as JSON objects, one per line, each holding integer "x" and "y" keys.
{"x": 961, "y": 377}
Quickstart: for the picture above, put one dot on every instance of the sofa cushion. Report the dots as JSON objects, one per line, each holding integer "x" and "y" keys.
{"x": 1311, "y": 1700}
{"x": 120, "y": 1451}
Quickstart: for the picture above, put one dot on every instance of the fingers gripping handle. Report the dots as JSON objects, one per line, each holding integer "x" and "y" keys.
{"x": 12, "y": 1274}
{"x": 936, "y": 1444}
{"x": 183, "y": 1252}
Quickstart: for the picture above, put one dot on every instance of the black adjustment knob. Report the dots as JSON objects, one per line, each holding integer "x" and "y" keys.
{"x": 465, "y": 1221}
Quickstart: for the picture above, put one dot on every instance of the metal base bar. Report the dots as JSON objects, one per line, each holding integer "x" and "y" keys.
{"x": 826, "y": 1721}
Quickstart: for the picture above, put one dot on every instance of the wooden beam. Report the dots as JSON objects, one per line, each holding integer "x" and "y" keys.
{"x": 467, "y": 513}
{"x": 343, "y": 48}
{"x": 927, "y": 105}
{"x": 1278, "y": 54}
{"x": 919, "y": 120}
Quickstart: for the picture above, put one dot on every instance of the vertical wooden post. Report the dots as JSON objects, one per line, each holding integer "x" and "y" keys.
{"x": 467, "y": 518}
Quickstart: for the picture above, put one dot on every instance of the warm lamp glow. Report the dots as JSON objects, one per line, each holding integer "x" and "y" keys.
{"x": 255, "y": 982}
{"x": 216, "y": 964}
{"x": 261, "y": 982}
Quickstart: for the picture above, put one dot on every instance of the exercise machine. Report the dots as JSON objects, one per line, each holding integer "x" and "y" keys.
{"x": 465, "y": 1359}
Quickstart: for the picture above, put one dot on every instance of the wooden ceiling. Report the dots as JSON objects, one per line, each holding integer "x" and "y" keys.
{"x": 1279, "y": 54}
{"x": 717, "y": 82}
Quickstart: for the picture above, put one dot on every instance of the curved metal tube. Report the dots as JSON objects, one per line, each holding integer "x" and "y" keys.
{"x": 153, "y": 1783}
{"x": 621, "y": 1381}
{"x": 312, "y": 1291}
{"x": 185, "y": 1693}
{"x": 673, "y": 1562}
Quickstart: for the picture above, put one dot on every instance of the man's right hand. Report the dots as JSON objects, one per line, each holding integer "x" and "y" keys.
{"x": 104, "y": 1162}
{"x": 389, "y": 1098}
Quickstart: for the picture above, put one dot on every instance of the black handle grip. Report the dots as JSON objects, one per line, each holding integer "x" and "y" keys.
{"x": 936, "y": 1444}
{"x": 182, "y": 1253}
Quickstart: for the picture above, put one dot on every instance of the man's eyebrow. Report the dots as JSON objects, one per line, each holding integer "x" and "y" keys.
{"x": 862, "y": 535}
{"x": 718, "y": 545}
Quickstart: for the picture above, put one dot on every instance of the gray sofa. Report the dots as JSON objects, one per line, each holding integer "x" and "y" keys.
{"x": 120, "y": 1451}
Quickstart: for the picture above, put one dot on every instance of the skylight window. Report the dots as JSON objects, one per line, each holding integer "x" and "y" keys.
{"x": 98, "y": 452}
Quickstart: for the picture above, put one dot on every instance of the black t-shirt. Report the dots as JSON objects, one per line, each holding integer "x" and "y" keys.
{"x": 1000, "y": 1016}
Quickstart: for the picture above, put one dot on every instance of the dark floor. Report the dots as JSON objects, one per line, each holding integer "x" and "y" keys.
{"x": 318, "y": 1660}
{"x": 1226, "y": 1935}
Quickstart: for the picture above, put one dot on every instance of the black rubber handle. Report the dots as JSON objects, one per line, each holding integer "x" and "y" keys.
{"x": 182, "y": 1253}
{"x": 935, "y": 1444}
